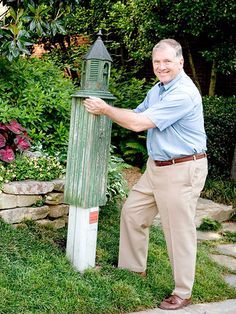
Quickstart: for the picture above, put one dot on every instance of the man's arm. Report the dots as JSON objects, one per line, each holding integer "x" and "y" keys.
{"x": 124, "y": 117}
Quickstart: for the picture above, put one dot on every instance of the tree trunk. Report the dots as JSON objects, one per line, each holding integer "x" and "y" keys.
{"x": 213, "y": 78}
{"x": 233, "y": 169}
{"x": 192, "y": 66}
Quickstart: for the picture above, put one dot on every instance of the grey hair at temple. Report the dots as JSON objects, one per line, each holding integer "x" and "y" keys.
{"x": 169, "y": 42}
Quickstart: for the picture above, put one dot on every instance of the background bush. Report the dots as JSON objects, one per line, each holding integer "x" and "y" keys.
{"x": 36, "y": 94}
{"x": 130, "y": 92}
{"x": 220, "y": 118}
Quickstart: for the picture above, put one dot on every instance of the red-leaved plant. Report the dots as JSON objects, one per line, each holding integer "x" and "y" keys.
{"x": 13, "y": 139}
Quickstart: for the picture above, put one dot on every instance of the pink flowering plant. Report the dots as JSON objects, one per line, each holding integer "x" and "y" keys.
{"x": 13, "y": 139}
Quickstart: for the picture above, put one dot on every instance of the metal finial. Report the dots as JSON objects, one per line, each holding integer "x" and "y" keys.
{"x": 99, "y": 32}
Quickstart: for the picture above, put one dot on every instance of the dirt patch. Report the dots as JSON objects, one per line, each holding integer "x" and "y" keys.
{"x": 132, "y": 175}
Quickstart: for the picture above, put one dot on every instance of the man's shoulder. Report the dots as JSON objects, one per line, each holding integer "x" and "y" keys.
{"x": 186, "y": 86}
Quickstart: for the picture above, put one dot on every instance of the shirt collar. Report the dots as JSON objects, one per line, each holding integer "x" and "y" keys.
{"x": 171, "y": 83}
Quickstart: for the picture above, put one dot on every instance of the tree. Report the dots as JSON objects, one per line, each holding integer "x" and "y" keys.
{"x": 24, "y": 21}
{"x": 204, "y": 28}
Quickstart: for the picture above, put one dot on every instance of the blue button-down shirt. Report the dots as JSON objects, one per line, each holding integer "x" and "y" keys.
{"x": 176, "y": 110}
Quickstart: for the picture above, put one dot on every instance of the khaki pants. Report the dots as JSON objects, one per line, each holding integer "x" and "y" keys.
{"x": 172, "y": 191}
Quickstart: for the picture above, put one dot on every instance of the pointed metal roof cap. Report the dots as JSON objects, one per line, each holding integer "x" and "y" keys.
{"x": 98, "y": 50}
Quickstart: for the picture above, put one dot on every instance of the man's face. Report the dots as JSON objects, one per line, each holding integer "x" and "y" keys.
{"x": 166, "y": 65}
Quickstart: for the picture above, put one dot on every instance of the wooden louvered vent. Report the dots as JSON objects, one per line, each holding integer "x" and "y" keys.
{"x": 94, "y": 70}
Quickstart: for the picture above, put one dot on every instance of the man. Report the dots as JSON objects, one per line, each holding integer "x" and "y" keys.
{"x": 175, "y": 174}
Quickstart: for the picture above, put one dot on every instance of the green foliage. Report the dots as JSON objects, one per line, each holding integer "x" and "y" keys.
{"x": 116, "y": 185}
{"x": 220, "y": 191}
{"x": 136, "y": 150}
{"x": 24, "y": 21}
{"x": 130, "y": 92}
{"x": 35, "y": 93}
{"x": 209, "y": 224}
{"x": 42, "y": 168}
{"x": 216, "y": 17}
{"x": 229, "y": 236}
{"x": 220, "y": 117}
{"x": 69, "y": 56}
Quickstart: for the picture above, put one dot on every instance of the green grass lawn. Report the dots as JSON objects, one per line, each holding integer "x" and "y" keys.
{"x": 36, "y": 277}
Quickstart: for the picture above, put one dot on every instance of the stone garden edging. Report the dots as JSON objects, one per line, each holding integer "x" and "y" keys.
{"x": 19, "y": 201}
{"x": 40, "y": 201}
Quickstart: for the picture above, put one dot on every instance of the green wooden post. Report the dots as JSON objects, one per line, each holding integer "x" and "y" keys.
{"x": 87, "y": 160}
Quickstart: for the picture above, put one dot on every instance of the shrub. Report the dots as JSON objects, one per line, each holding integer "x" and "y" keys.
{"x": 116, "y": 185}
{"x": 35, "y": 93}
{"x": 42, "y": 168}
{"x": 130, "y": 92}
{"x": 13, "y": 139}
{"x": 220, "y": 117}
{"x": 220, "y": 191}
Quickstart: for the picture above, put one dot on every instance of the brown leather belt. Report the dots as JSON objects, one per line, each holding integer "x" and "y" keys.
{"x": 178, "y": 160}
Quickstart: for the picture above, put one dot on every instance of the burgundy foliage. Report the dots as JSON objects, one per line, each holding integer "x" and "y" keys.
{"x": 13, "y": 139}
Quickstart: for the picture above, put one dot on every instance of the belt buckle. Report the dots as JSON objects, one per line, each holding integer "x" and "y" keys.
{"x": 194, "y": 157}
{"x": 173, "y": 161}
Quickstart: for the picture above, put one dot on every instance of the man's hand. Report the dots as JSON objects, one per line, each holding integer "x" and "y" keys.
{"x": 96, "y": 105}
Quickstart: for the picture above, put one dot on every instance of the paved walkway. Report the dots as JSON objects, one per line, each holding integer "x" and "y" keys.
{"x": 224, "y": 307}
{"x": 226, "y": 257}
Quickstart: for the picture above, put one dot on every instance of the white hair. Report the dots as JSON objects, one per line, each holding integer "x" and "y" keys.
{"x": 171, "y": 43}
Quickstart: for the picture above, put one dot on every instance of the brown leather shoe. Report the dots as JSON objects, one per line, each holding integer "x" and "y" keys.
{"x": 174, "y": 303}
{"x": 142, "y": 274}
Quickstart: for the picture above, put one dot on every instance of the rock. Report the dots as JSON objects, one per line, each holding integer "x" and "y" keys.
{"x": 210, "y": 209}
{"x": 11, "y": 200}
{"x": 30, "y": 154}
{"x": 17, "y": 215}
{"x": 227, "y": 249}
{"x": 57, "y": 223}
{"x": 58, "y": 210}
{"x": 206, "y": 208}
{"x": 28, "y": 187}
{"x": 206, "y": 236}
{"x": 54, "y": 198}
{"x": 58, "y": 185}
{"x": 226, "y": 261}
{"x": 229, "y": 226}
{"x": 231, "y": 280}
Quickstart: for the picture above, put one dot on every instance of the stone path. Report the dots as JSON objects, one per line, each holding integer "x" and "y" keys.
{"x": 210, "y": 209}
{"x": 225, "y": 254}
{"x": 224, "y": 307}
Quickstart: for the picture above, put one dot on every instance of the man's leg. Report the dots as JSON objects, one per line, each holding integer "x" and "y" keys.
{"x": 137, "y": 215}
{"x": 176, "y": 192}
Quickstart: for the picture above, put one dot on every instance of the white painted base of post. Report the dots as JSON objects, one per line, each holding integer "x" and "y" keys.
{"x": 82, "y": 237}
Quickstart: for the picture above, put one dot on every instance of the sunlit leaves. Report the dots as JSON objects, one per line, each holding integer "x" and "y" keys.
{"x": 27, "y": 20}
